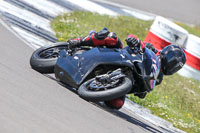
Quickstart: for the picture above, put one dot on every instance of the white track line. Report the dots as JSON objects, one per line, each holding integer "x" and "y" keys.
{"x": 34, "y": 40}
{"x": 34, "y": 19}
{"x": 93, "y": 7}
{"x": 47, "y": 7}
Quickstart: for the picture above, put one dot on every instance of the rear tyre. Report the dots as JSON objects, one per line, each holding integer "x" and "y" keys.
{"x": 121, "y": 88}
{"x": 44, "y": 59}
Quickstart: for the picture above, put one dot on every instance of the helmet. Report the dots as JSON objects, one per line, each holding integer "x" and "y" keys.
{"x": 172, "y": 59}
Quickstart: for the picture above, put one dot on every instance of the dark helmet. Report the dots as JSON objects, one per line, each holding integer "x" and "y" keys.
{"x": 172, "y": 59}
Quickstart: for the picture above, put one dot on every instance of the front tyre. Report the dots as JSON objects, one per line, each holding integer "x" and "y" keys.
{"x": 44, "y": 59}
{"x": 103, "y": 92}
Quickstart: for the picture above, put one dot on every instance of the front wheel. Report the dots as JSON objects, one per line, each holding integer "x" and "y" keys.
{"x": 93, "y": 90}
{"x": 44, "y": 59}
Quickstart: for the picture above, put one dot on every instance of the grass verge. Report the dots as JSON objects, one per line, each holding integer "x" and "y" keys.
{"x": 177, "y": 99}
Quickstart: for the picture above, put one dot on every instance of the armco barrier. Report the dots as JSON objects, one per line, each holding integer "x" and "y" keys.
{"x": 164, "y": 32}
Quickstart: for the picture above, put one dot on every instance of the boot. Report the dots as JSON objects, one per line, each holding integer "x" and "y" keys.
{"x": 115, "y": 103}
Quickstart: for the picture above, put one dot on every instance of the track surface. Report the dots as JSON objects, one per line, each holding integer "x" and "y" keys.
{"x": 187, "y": 11}
{"x": 32, "y": 102}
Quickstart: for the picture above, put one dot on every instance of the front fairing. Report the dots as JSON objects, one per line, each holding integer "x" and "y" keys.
{"x": 146, "y": 68}
{"x": 72, "y": 70}
{"x": 151, "y": 68}
{"x": 151, "y": 64}
{"x": 147, "y": 62}
{"x": 98, "y": 56}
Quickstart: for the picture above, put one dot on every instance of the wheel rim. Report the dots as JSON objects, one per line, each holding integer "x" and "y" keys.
{"x": 100, "y": 86}
{"x": 51, "y": 52}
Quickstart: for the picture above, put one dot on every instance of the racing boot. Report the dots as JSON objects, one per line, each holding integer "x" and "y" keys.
{"x": 115, "y": 103}
{"x": 141, "y": 95}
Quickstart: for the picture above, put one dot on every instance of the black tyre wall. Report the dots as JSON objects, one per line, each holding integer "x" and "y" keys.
{"x": 45, "y": 65}
{"x": 109, "y": 94}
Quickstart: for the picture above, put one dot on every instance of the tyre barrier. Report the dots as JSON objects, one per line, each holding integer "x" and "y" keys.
{"x": 164, "y": 32}
{"x": 192, "y": 67}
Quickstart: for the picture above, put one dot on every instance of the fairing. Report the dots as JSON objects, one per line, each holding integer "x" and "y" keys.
{"x": 72, "y": 70}
{"x": 151, "y": 68}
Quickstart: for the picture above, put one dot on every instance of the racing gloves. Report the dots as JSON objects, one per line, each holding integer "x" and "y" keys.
{"x": 151, "y": 47}
{"x": 134, "y": 43}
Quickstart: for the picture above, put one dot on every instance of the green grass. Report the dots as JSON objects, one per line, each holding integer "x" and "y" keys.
{"x": 191, "y": 29}
{"x": 177, "y": 99}
{"x": 79, "y": 24}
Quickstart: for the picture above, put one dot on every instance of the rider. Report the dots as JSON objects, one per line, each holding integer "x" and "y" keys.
{"x": 101, "y": 38}
{"x": 172, "y": 57}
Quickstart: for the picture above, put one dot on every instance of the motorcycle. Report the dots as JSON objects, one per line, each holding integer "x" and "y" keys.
{"x": 99, "y": 73}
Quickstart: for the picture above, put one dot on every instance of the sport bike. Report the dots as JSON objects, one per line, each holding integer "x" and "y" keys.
{"x": 99, "y": 73}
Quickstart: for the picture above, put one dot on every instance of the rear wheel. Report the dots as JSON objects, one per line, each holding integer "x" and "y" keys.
{"x": 44, "y": 59}
{"x": 94, "y": 90}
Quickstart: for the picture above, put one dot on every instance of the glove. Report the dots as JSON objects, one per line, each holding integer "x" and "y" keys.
{"x": 73, "y": 43}
{"x": 134, "y": 43}
{"x": 151, "y": 47}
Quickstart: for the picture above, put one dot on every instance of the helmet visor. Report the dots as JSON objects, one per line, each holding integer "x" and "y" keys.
{"x": 174, "y": 65}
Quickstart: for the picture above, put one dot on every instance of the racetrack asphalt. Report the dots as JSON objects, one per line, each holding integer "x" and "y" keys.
{"x": 31, "y": 102}
{"x": 186, "y": 11}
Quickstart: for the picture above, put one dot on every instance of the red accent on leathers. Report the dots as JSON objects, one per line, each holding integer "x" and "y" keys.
{"x": 107, "y": 42}
{"x": 97, "y": 42}
{"x": 110, "y": 41}
{"x": 91, "y": 40}
{"x": 77, "y": 38}
{"x": 143, "y": 45}
{"x": 131, "y": 35}
{"x": 87, "y": 38}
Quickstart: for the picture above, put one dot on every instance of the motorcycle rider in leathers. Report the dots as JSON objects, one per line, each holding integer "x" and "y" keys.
{"x": 172, "y": 57}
